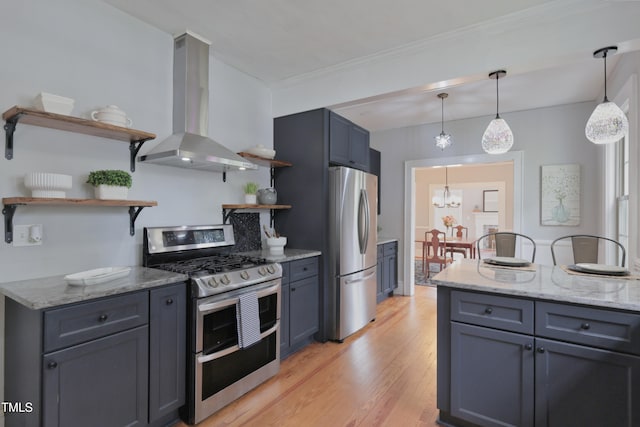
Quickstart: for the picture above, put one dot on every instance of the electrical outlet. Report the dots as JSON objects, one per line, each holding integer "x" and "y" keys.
{"x": 27, "y": 235}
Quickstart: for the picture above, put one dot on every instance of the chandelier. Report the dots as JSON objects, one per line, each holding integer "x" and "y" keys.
{"x": 607, "y": 123}
{"x": 447, "y": 200}
{"x": 498, "y": 138}
{"x": 444, "y": 139}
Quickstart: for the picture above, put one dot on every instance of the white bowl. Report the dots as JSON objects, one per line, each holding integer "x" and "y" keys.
{"x": 50, "y": 185}
{"x": 53, "y": 103}
{"x": 261, "y": 151}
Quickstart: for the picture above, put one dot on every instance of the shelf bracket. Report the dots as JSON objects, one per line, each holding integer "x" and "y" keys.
{"x": 226, "y": 214}
{"x": 134, "y": 147}
{"x": 224, "y": 176}
{"x": 8, "y": 212}
{"x": 9, "y": 129}
{"x": 134, "y": 211}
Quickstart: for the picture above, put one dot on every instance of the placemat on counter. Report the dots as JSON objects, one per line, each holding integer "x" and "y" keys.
{"x": 608, "y": 276}
{"x": 530, "y": 267}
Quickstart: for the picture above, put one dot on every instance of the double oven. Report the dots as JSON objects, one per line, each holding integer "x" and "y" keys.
{"x": 221, "y": 365}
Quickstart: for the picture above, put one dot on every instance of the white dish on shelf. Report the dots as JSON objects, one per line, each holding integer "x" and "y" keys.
{"x": 53, "y": 103}
{"x": 98, "y": 275}
{"x": 45, "y": 184}
{"x": 261, "y": 151}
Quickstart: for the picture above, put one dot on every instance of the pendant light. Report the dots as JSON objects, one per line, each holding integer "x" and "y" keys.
{"x": 448, "y": 200}
{"x": 444, "y": 139}
{"x": 607, "y": 123}
{"x": 498, "y": 138}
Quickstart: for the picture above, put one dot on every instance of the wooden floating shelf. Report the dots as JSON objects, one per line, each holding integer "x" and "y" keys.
{"x": 249, "y": 206}
{"x": 76, "y": 202}
{"x": 34, "y": 117}
{"x": 270, "y": 163}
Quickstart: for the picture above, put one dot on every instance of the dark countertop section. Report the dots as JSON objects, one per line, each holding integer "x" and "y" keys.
{"x": 54, "y": 291}
{"x": 289, "y": 254}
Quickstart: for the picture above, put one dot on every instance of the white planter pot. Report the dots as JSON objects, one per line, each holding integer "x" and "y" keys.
{"x": 111, "y": 192}
{"x": 250, "y": 199}
{"x": 276, "y": 245}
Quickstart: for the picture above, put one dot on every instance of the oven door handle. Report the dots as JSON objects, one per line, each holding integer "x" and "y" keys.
{"x": 219, "y": 354}
{"x": 205, "y": 308}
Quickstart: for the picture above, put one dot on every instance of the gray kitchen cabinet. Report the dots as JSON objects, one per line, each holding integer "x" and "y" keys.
{"x": 299, "y": 301}
{"x": 387, "y": 270}
{"x": 113, "y": 361}
{"x": 304, "y": 140}
{"x": 167, "y": 350}
{"x": 506, "y": 361}
{"x": 348, "y": 143}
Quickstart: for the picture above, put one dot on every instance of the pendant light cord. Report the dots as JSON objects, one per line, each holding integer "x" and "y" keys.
{"x": 442, "y": 117}
{"x": 605, "y": 76}
{"x": 497, "y": 97}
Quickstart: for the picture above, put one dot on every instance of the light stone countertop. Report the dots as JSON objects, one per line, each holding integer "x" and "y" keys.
{"x": 546, "y": 282}
{"x": 289, "y": 254}
{"x": 54, "y": 291}
{"x": 383, "y": 240}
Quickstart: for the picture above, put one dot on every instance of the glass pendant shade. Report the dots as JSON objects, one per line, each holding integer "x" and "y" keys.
{"x": 443, "y": 140}
{"x": 607, "y": 123}
{"x": 498, "y": 138}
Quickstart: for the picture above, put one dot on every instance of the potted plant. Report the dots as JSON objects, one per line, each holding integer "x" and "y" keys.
{"x": 110, "y": 184}
{"x": 250, "y": 191}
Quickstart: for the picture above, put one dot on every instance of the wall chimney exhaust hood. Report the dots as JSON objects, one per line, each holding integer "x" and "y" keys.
{"x": 189, "y": 147}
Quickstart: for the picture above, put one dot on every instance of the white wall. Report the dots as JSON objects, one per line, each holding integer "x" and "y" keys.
{"x": 552, "y": 135}
{"x": 98, "y": 55}
{"x": 89, "y": 51}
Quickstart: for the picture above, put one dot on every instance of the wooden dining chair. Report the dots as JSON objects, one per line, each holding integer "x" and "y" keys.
{"x": 460, "y": 232}
{"x": 585, "y": 248}
{"x": 435, "y": 250}
{"x": 505, "y": 243}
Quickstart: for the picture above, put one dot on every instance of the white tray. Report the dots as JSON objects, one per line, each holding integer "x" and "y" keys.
{"x": 98, "y": 275}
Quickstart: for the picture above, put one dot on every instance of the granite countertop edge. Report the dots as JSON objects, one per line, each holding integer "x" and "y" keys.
{"x": 53, "y": 291}
{"x": 290, "y": 254}
{"x": 383, "y": 240}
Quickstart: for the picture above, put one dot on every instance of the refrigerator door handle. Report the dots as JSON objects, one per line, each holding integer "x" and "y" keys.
{"x": 363, "y": 211}
{"x": 361, "y": 279}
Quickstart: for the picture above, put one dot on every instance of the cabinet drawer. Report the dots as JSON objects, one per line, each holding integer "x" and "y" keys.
{"x": 596, "y": 327}
{"x": 303, "y": 268}
{"x": 509, "y": 314}
{"x": 390, "y": 248}
{"x": 83, "y": 322}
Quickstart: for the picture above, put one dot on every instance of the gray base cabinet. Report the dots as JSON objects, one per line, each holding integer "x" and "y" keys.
{"x": 299, "y": 302}
{"x": 387, "y": 271}
{"x": 115, "y": 361}
{"x": 506, "y": 361}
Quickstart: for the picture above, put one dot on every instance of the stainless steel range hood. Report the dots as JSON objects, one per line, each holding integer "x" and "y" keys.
{"x": 189, "y": 147}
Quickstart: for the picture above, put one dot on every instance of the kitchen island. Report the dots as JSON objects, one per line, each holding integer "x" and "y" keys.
{"x": 537, "y": 346}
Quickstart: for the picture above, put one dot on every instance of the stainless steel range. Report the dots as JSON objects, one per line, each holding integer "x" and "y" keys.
{"x": 234, "y": 313}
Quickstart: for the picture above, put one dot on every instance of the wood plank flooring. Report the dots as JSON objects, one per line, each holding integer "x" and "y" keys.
{"x": 384, "y": 375}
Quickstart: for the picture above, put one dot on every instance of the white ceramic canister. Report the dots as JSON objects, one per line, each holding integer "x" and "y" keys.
{"x": 112, "y": 115}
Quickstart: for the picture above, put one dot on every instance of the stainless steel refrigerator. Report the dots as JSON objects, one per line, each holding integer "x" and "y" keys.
{"x": 352, "y": 250}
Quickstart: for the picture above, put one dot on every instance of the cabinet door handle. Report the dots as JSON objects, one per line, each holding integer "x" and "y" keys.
{"x": 52, "y": 364}
{"x": 293, "y": 289}
{"x": 528, "y": 346}
{"x": 585, "y": 326}
{"x": 488, "y": 310}
{"x": 540, "y": 349}
{"x": 169, "y": 301}
{"x": 102, "y": 318}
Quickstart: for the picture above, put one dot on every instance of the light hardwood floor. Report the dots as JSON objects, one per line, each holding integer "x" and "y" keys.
{"x": 384, "y": 375}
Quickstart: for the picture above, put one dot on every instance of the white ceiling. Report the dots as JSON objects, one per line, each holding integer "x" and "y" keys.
{"x": 277, "y": 40}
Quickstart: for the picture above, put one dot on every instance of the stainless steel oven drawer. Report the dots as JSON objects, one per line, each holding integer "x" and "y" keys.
{"x": 87, "y": 321}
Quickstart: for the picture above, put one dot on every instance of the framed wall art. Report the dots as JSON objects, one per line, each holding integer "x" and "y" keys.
{"x": 560, "y": 195}
{"x": 490, "y": 200}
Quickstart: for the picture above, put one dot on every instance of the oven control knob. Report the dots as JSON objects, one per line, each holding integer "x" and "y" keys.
{"x": 213, "y": 282}
{"x": 271, "y": 269}
{"x": 262, "y": 271}
{"x": 225, "y": 280}
{"x": 244, "y": 275}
